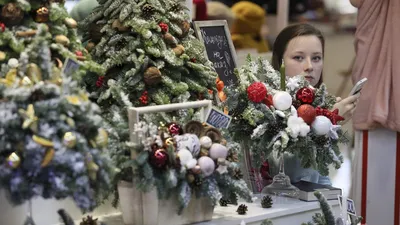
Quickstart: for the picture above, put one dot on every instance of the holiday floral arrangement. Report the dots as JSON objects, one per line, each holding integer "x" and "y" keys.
{"x": 270, "y": 115}
{"x": 193, "y": 160}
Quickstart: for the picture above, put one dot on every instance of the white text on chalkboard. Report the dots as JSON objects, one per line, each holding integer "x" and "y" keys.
{"x": 219, "y": 40}
{"x": 218, "y": 119}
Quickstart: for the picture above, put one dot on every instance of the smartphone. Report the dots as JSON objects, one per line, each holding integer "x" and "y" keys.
{"x": 357, "y": 88}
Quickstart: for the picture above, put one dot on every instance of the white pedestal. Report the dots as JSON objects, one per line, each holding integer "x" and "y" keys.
{"x": 283, "y": 212}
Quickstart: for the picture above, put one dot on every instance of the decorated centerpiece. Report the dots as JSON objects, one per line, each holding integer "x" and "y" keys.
{"x": 270, "y": 115}
{"x": 190, "y": 166}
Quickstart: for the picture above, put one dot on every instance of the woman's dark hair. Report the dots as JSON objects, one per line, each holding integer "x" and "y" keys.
{"x": 287, "y": 34}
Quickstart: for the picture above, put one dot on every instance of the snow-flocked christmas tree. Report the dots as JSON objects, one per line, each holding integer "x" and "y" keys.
{"x": 51, "y": 141}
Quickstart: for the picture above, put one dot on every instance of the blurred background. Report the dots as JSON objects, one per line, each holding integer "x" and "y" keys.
{"x": 261, "y": 22}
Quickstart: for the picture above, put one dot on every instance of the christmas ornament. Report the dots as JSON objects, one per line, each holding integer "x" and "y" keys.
{"x": 207, "y": 165}
{"x": 13, "y": 63}
{"x": 2, "y": 27}
{"x": 30, "y": 120}
{"x": 296, "y": 125}
{"x": 266, "y": 201}
{"x": 2, "y": 56}
{"x": 186, "y": 159}
{"x": 164, "y": 27}
{"x": 222, "y": 166}
{"x": 34, "y": 73}
{"x": 102, "y": 138}
{"x": 13, "y": 160}
{"x": 282, "y": 100}
{"x": 333, "y": 116}
{"x": 147, "y": 10}
{"x": 159, "y": 158}
{"x": 194, "y": 127}
{"x": 26, "y": 82}
{"x": 69, "y": 140}
{"x": 78, "y": 53}
{"x": 28, "y": 33}
{"x": 220, "y": 85}
{"x": 222, "y": 96}
{"x": 307, "y": 113}
{"x": 42, "y": 15}
{"x": 188, "y": 141}
{"x": 179, "y": 50}
{"x": 144, "y": 98}
{"x": 237, "y": 173}
{"x": 100, "y": 81}
{"x": 92, "y": 167}
{"x": 321, "y": 125}
{"x": 88, "y": 221}
{"x": 62, "y": 39}
{"x": 196, "y": 169}
{"x": 10, "y": 79}
{"x": 242, "y": 209}
{"x": 71, "y": 23}
{"x": 214, "y": 134}
{"x": 169, "y": 142}
{"x": 152, "y": 76}
{"x": 185, "y": 27}
{"x": 256, "y": 92}
{"x": 47, "y": 157}
{"x": 174, "y": 129}
{"x": 268, "y": 100}
{"x": 205, "y": 142}
{"x": 11, "y": 14}
{"x": 117, "y": 25}
{"x": 223, "y": 202}
{"x": 170, "y": 40}
{"x": 218, "y": 151}
{"x": 305, "y": 95}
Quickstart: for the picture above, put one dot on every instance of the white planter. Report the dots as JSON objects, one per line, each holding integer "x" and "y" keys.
{"x": 146, "y": 209}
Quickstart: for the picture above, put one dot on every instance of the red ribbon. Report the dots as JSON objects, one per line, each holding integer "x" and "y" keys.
{"x": 333, "y": 116}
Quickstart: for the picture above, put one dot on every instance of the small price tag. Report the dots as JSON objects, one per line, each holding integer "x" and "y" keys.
{"x": 218, "y": 119}
{"x": 351, "y": 209}
{"x": 70, "y": 66}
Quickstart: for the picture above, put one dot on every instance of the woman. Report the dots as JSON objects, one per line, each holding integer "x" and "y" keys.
{"x": 301, "y": 48}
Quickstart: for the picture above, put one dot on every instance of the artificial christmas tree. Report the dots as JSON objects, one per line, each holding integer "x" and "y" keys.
{"x": 151, "y": 58}
{"x": 51, "y": 141}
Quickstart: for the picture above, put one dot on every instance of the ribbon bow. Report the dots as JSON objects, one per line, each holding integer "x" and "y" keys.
{"x": 333, "y": 116}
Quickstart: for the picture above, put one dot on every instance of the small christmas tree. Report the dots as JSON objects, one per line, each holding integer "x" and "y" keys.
{"x": 151, "y": 57}
{"x": 51, "y": 141}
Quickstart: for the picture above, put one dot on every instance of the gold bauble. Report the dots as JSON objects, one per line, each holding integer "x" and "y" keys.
{"x": 48, "y": 157}
{"x": 42, "y": 15}
{"x": 42, "y": 141}
{"x": 69, "y": 139}
{"x": 152, "y": 76}
{"x": 102, "y": 138}
{"x": 34, "y": 72}
{"x": 179, "y": 50}
{"x": 2, "y": 56}
{"x": 71, "y": 23}
{"x": 62, "y": 39}
{"x": 13, "y": 160}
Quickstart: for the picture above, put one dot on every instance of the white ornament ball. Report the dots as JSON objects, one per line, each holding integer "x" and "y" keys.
{"x": 207, "y": 165}
{"x": 321, "y": 125}
{"x": 205, "y": 142}
{"x": 185, "y": 156}
{"x": 282, "y": 100}
{"x": 188, "y": 141}
{"x": 148, "y": 34}
{"x": 218, "y": 151}
{"x": 13, "y": 63}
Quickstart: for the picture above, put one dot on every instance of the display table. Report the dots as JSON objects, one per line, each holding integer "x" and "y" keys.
{"x": 284, "y": 212}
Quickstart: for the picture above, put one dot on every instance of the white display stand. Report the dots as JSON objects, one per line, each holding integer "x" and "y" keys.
{"x": 285, "y": 211}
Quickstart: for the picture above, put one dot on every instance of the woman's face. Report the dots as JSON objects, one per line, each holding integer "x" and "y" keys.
{"x": 303, "y": 55}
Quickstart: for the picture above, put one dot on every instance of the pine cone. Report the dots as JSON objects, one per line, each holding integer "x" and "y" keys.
{"x": 176, "y": 6}
{"x": 147, "y": 10}
{"x": 88, "y": 221}
{"x": 11, "y": 14}
{"x": 237, "y": 173}
{"x": 266, "y": 201}
{"x": 223, "y": 202}
{"x": 233, "y": 156}
{"x": 242, "y": 209}
{"x": 276, "y": 127}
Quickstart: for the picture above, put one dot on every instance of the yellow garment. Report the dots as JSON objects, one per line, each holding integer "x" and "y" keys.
{"x": 246, "y": 27}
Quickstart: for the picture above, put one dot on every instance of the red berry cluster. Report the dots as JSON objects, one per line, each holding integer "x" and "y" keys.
{"x": 2, "y": 27}
{"x": 144, "y": 99}
{"x": 164, "y": 27}
{"x": 100, "y": 81}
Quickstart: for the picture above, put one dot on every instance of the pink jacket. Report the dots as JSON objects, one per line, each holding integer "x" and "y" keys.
{"x": 377, "y": 43}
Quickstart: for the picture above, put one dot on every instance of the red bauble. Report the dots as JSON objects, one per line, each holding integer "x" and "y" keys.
{"x": 257, "y": 92}
{"x": 100, "y": 81}
{"x": 164, "y": 27}
{"x": 159, "y": 158}
{"x": 174, "y": 129}
{"x": 78, "y": 53}
{"x": 305, "y": 95}
{"x": 307, "y": 113}
{"x": 2, "y": 27}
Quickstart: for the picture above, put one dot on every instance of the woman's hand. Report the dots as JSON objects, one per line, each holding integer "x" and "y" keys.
{"x": 346, "y": 107}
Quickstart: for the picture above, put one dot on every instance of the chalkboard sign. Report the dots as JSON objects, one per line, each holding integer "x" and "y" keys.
{"x": 218, "y": 119}
{"x": 219, "y": 48}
